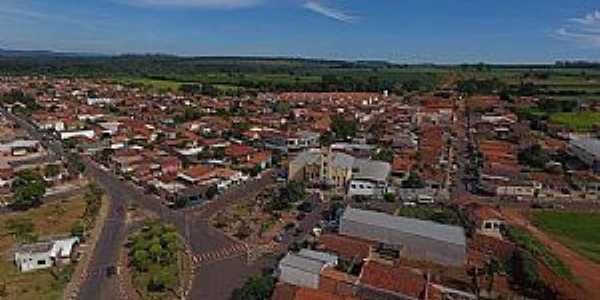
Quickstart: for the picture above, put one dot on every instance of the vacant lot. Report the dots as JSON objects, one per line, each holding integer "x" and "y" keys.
{"x": 50, "y": 219}
{"x": 576, "y": 230}
{"x": 577, "y": 121}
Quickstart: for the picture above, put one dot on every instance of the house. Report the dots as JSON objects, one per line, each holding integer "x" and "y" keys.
{"x": 20, "y": 148}
{"x": 488, "y": 221}
{"x": 303, "y": 140}
{"x": 99, "y": 101}
{"x": 45, "y": 254}
{"x": 354, "y": 176}
{"x": 369, "y": 178}
{"x": 260, "y": 160}
{"x": 87, "y": 133}
{"x": 304, "y": 269}
{"x": 345, "y": 247}
{"x": 379, "y": 281}
{"x": 170, "y": 165}
{"x": 196, "y": 174}
{"x": 7, "y": 176}
{"x": 418, "y": 239}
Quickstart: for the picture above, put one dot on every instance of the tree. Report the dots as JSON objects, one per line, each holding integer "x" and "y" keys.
{"x": 326, "y": 139}
{"x": 211, "y": 192}
{"x": 78, "y": 229}
{"x": 52, "y": 170}
{"x": 385, "y": 154}
{"x": 413, "y": 181}
{"x": 255, "y": 288}
{"x": 533, "y": 157}
{"x": 141, "y": 260}
{"x": 343, "y": 128}
{"x": 29, "y": 188}
{"x": 492, "y": 267}
{"x": 389, "y": 197}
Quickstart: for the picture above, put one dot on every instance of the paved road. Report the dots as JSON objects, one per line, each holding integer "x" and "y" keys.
{"x": 200, "y": 236}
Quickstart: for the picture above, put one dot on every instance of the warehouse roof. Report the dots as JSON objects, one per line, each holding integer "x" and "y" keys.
{"x": 428, "y": 229}
{"x": 590, "y": 145}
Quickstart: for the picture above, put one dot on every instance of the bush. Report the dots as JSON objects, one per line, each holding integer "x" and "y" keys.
{"x": 154, "y": 255}
{"x": 255, "y": 288}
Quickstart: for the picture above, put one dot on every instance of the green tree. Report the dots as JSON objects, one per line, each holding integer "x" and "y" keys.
{"x": 344, "y": 129}
{"x": 78, "y": 229}
{"x": 385, "y": 154}
{"x": 389, "y": 197}
{"x": 52, "y": 170}
{"x": 255, "y": 288}
{"x": 29, "y": 188}
{"x": 211, "y": 192}
{"x": 413, "y": 181}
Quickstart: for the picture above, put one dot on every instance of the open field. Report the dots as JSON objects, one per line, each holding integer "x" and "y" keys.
{"x": 50, "y": 219}
{"x": 577, "y": 121}
{"x": 576, "y": 230}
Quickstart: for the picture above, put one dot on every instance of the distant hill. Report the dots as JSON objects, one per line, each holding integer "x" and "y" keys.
{"x": 41, "y": 53}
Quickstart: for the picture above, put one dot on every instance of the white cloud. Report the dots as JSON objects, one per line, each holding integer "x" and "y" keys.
{"x": 329, "y": 12}
{"x": 196, "y": 3}
{"x": 588, "y": 39}
{"x": 584, "y": 30}
{"x": 591, "y": 19}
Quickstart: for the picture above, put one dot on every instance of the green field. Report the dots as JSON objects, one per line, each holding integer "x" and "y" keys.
{"x": 576, "y": 121}
{"x": 579, "y": 231}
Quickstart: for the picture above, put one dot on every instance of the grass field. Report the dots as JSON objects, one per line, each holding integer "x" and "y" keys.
{"x": 579, "y": 231}
{"x": 50, "y": 219}
{"x": 577, "y": 121}
{"x": 153, "y": 83}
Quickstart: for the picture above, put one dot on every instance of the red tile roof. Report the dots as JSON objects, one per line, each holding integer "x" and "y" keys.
{"x": 396, "y": 279}
{"x": 345, "y": 247}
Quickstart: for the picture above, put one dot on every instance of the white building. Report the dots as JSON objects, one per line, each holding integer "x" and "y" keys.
{"x": 79, "y": 133}
{"x": 44, "y": 255}
{"x": 304, "y": 268}
{"x": 100, "y": 101}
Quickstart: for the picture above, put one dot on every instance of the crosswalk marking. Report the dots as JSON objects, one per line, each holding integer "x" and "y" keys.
{"x": 223, "y": 253}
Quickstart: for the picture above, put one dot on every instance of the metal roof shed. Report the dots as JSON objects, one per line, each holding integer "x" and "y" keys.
{"x": 422, "y": 240}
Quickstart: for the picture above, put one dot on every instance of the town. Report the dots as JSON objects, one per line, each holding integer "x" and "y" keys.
{"x": 113, "y": 190}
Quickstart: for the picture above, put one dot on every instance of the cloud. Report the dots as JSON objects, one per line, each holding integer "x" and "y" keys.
{"x": 584, "y": 30}
{"x": 591, "y": 19}
{"x": 228, "y": 4}
{"x": 329, "y": 12}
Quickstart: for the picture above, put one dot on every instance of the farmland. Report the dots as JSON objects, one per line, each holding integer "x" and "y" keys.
{"x": 576, "y": 230}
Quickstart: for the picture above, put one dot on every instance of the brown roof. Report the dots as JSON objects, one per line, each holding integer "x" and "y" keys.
{"x": 284, "y": 291}
{"x": 396, "y": 279}
{"x": 311, "y": 294}
{"x": 198, "y": 171}
{"x": 345, "y": 247}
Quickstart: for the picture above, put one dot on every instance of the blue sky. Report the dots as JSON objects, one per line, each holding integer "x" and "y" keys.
{"x": 404, "y": 31}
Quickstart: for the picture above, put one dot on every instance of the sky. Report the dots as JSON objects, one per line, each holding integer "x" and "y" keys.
{"x": 401, "y": 31}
